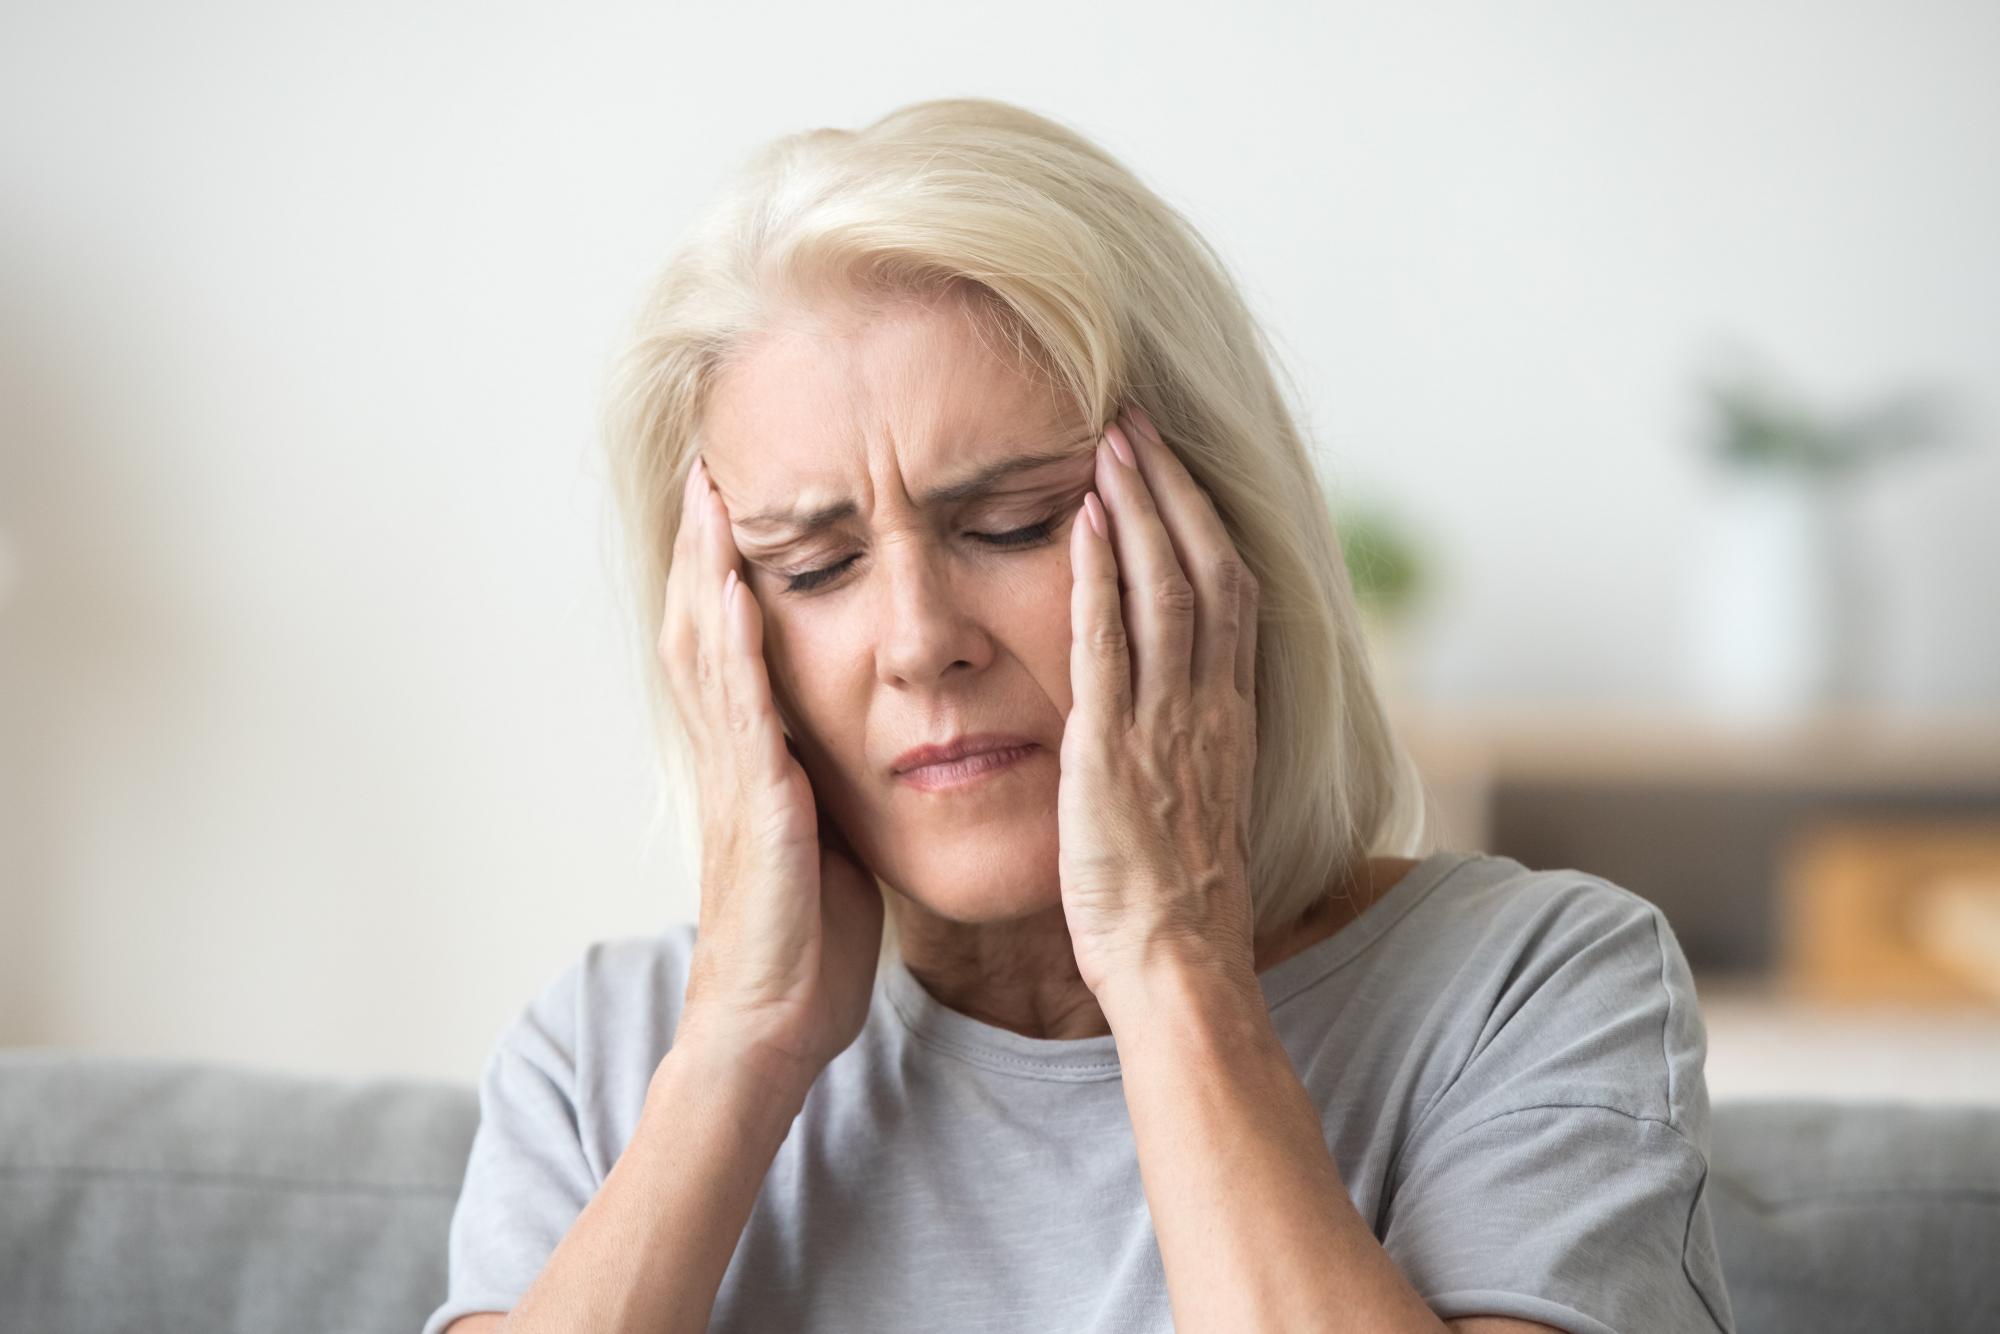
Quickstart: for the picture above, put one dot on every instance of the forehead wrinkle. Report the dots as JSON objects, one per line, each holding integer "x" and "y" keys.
{"x": 981, "y": 482}
{"x": 893, "y": 380}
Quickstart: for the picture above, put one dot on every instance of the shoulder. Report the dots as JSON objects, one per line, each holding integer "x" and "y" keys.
{"x": 579, "y": 1055}
{"x": 610, "y": 987}
{"x": 1576, "y": 985}
{"x": 1495, "y": 894}
{"x": 1563, "y": 925}
{"x": 654, "y": 965}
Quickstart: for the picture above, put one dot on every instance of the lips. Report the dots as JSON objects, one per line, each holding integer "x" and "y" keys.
{"x": 971, "y": 743}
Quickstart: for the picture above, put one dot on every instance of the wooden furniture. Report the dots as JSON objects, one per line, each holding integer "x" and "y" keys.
{"x": 1885, "y": 911}
{"x": 1697, "y": 814}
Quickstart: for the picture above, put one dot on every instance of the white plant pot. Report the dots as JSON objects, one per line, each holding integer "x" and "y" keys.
{"x": 1761, "y": 603}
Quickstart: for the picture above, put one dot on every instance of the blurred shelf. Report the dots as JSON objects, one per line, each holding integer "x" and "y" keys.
{"x": 1764, "y": 1044}
{"x": 1696, "y": 813}
{"x": 1614, "y": 743}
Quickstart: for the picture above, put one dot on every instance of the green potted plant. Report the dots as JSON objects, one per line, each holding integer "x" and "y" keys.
{"x": 1390, "y": 574}
{"x": 1781, "y": 614}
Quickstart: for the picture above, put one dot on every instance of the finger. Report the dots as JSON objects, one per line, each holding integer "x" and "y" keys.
{"x": 676, "y": 644}
{"x": 719, "y": 547}
{"x": 1225, "y": 589}
{"x": 1100, "y": 655}
{"x": 1246, "y": 641}
{"x": 705, "y": 596}
{"x": 753, "y": 717}
{"x": 1157, "y": 595}
{"x": 742, "y": 677}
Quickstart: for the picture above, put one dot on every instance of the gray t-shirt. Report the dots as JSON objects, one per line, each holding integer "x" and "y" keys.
{"x": 1507, "y": 1063}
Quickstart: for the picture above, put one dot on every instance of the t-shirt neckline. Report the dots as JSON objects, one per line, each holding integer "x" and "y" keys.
{"x": 952, "y": 1033}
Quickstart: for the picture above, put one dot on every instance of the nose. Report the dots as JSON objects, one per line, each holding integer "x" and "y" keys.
{"x": 925, "y": 630}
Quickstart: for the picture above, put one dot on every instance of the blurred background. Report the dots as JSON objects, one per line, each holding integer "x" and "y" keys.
{"x": 1652, "y": 354}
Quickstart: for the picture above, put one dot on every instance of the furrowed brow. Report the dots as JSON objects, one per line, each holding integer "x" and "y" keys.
{"x": 977, "y": 484}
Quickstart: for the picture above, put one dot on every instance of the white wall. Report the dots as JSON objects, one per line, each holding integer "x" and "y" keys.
{"x": 319, "y": 746}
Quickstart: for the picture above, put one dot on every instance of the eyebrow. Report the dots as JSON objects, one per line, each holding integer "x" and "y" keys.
{"x": 979, "y": 483}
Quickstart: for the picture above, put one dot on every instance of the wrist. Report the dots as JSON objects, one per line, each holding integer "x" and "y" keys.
{"x": 1174, "y": 991}
{"x": 728, "y": 1038}
{"x": 755, "y": 1082}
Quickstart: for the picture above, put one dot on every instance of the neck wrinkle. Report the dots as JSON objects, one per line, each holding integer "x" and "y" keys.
{"x": 1021, "y": 975}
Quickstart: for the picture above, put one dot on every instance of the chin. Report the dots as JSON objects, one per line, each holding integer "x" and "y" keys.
{"x": 969, "y": 906}
{"x": 981, "y": 879}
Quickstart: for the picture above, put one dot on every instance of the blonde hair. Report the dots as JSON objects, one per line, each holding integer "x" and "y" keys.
{"x": 1113, "y": 296}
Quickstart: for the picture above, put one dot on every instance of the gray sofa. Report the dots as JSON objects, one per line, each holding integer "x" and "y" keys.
{"x": 166, "y": 1196}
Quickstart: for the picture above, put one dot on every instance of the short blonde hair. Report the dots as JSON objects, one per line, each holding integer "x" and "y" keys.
{"x": 1112, "y": 295}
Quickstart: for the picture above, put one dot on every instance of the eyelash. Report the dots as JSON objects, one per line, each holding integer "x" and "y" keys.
{"x": 1033, "y": 535}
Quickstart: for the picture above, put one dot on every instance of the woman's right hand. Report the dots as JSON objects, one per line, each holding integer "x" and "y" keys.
{"x": 791, "y": 922}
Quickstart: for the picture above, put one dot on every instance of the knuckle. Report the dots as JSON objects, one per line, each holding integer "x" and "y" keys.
{"x": 1174, "y": 595}
{"x": 1107, "y": 638}
{"x": 668, "y": 645}
{"x": 1232, "y": 575}
{"x": 682, "y": 702}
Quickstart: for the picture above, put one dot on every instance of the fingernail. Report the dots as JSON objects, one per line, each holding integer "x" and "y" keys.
{"x": 1119, "y": 445}
{"x": 1145, "y": 423}
{"x": 1094, "y": 512}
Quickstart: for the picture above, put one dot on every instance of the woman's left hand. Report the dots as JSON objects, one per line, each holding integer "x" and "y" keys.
{"x": 1160, "y": 744}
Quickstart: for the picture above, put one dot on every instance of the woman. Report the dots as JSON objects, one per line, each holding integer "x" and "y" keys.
{"x": 1061, "y": 964}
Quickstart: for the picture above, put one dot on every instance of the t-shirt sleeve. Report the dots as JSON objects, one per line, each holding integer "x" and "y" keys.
{"x": 526, "y": 1176}
{"x": 1562, "y": 1175}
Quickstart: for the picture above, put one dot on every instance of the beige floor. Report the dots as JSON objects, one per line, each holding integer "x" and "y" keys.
{"x": 1763, "y": 1047}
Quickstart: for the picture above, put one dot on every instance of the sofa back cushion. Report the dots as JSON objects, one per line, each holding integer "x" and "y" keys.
{"x": 146, "y": 1196}
{"x": 1840, "y": 1218}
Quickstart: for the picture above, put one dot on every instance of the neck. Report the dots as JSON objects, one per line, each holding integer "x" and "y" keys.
{"x": 1021, "y": 974}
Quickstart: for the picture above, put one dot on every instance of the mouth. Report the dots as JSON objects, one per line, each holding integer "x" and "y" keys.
{"x": 962, "y": 760}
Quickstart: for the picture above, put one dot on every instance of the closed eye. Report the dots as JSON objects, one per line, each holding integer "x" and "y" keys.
{"x": 1033, "y": 535}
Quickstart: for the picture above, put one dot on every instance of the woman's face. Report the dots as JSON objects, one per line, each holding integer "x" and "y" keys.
{"x": 930, "y": 595}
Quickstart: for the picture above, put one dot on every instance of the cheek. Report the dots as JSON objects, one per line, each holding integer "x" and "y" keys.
{"x": 1041, "y": 633}
{"x": 820, "y": 702}
{"x": 783, "y": 646}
